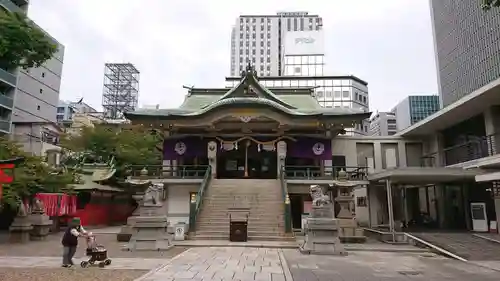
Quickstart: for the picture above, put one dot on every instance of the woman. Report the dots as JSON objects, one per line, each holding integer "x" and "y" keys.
{"x": 70, "y": 241}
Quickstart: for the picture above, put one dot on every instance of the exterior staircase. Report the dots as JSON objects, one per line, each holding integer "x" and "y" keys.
{"x": 264, "y": 201}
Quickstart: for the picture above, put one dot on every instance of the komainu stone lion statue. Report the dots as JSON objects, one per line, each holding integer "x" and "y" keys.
{"x": 318, "y": 197}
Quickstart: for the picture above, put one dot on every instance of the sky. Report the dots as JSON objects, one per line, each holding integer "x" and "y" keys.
{"x": 387, "y": 43}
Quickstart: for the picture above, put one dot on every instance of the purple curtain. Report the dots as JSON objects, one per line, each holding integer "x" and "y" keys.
{"x": 186, "y": 147}
{"x": 310, "y": 148}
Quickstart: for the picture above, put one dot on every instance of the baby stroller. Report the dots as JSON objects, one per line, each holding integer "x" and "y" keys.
{"x": 97, "y": 253}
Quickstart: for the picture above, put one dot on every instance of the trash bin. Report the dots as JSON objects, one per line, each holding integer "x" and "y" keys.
{"x": 238, "y": 227}
{"x": 180, "y": 230}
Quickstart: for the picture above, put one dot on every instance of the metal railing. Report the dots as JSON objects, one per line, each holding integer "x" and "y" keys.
{"x": 196, "y": 202}
{"x": 5, "y": 126}
{"x": 473, "y": 149}
{"x": 168, "y": 171}
{"x": 6, "y": 101}
{"x": 10, "y": 6}
{"x": 286, "y": 202}
{"x": 328, "y": 172}
{"x": 8, "y": 77}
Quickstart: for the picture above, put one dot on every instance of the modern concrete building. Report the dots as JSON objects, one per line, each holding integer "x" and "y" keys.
{"x": 67, "y": 109}
{"x": 467, "y": 46}
{"x": 30, "y": 95}
{"x": 260, "y": 40}
{"x": 413, "y": 109}
{"x": 346, "y": 92}
{"x": 383, "y": 124}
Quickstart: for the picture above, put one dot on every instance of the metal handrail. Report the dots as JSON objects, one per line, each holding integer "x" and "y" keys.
{"x": 469, "y": 150}
{"x": 286, "y": 202}
{"x": 328, "y": 172}
{"x": 168, "y": 171}
{"x": 195, "y": 206}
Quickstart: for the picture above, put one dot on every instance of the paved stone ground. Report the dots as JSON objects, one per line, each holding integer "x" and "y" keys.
{"x": 465, "y": 245}
{"x": 222, "y": 263}
{"x": 364, "y": 266}
{"x": 61, "y": 274}
{"x": 49, "y": 268}
{"x": 52, "y": 248}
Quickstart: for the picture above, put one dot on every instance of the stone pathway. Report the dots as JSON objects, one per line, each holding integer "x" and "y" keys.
{"x": 55, "y": 262}
{"x": 362, "y": 266}
{"x": 222, "y": 263}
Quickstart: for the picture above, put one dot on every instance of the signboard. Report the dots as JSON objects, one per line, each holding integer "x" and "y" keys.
{"x": 304, "y": 43}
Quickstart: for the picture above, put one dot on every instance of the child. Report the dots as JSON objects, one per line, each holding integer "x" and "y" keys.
{"x": 70, "y": 241}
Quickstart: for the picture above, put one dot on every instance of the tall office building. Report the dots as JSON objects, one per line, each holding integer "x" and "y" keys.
{"x": 467, "y": 46}
{"x": 260, "y": 40}
{"x": 383, "y": 124}
{"x": 32, "y": 95}
{"x": 415, "y": 108}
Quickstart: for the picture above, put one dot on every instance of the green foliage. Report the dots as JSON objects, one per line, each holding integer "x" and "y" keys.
{"x": 488, "y": 4}
{"x": 31, "y": 176}
{"x": 22, "y": 43}
{"x": 130, "y": 146}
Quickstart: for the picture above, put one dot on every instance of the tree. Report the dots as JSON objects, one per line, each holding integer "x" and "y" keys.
{"x": 22, "y": 42}
{"x": 129, "y": 146}
{"x": 31, "y": 176}
{"x": 488, "y": 4}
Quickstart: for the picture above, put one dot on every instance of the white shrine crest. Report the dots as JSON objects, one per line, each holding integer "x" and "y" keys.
{"x": 318, "y": 148}
{"x": 180, "y": 148}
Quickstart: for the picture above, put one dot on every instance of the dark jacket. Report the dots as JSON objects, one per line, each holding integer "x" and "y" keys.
{"x": 70, "y": 240}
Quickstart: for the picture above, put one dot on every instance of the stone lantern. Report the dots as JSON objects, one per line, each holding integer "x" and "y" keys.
{"x": 40, "y": 221}
{"x": 21, "y": 226}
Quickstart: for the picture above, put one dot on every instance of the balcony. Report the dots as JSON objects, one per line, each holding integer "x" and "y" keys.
{"x": 327, "y": 173}
{"x": 21, "y": 3}
{"x": 8, "y": 77}
{"x": 475, "y": 149}
{"x": 11, "y": 6}
{"x": 6, "y": 101}
{"x": 5, "y": 126}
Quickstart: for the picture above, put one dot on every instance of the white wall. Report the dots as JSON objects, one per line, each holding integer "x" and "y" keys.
{"x": 178, "y": 202}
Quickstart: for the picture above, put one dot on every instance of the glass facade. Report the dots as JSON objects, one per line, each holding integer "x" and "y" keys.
{"x": 304, "y": 65}
{"x": 330, "y": 91}
{"x": 422, "y": 106}
{"x": 467, "y": 44}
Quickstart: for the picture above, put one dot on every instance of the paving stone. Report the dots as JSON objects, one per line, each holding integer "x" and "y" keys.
{"x": 364, "y": 266}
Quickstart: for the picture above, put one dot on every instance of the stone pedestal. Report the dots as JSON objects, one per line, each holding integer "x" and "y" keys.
{"x": 322, "y": 235}
{"x": 349, "y": 231}
{"x": 21, "y": 227}
{"x": 41, "y": 226}
{"x": 126, "y": 230}
{"x": 149, "y": 227}
{"x": 149, "y": 231}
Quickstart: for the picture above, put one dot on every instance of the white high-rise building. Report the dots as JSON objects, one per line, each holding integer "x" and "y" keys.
{"x": 262, "y": 41}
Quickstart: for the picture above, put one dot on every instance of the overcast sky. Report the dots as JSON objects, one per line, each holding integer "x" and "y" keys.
{"x": 387, "y": 43}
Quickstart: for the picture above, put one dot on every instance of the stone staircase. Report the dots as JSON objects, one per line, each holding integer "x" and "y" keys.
{"x": 263, "y": 198}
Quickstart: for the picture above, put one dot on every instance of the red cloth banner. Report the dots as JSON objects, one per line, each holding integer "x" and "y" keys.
{"x": 4, "y": 178}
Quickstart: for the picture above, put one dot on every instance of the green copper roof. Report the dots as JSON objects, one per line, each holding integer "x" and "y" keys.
{"x": 248, "y": 93}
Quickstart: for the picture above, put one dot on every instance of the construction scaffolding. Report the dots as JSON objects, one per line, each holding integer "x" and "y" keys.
{"x": 121, "y": 89}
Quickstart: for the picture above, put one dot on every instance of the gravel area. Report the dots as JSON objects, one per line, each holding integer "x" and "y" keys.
{"x": 63, "y": 274}
{"x": 51, "y": 247}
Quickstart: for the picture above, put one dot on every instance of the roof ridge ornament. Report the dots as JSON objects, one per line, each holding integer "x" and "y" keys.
{"x": 249, "y": 70}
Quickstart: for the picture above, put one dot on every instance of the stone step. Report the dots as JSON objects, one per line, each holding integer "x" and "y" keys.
{"x": 263, "y": 217}
{"x": 252, "y": 224}
{"x": 242, "y": 196}
{"x": 253, "y": 238}
{"x": 262, "y": 207}
{"x": 251, "y": 232}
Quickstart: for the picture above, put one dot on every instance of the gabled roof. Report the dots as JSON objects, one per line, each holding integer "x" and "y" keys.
{"x": 248, "y": 93}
